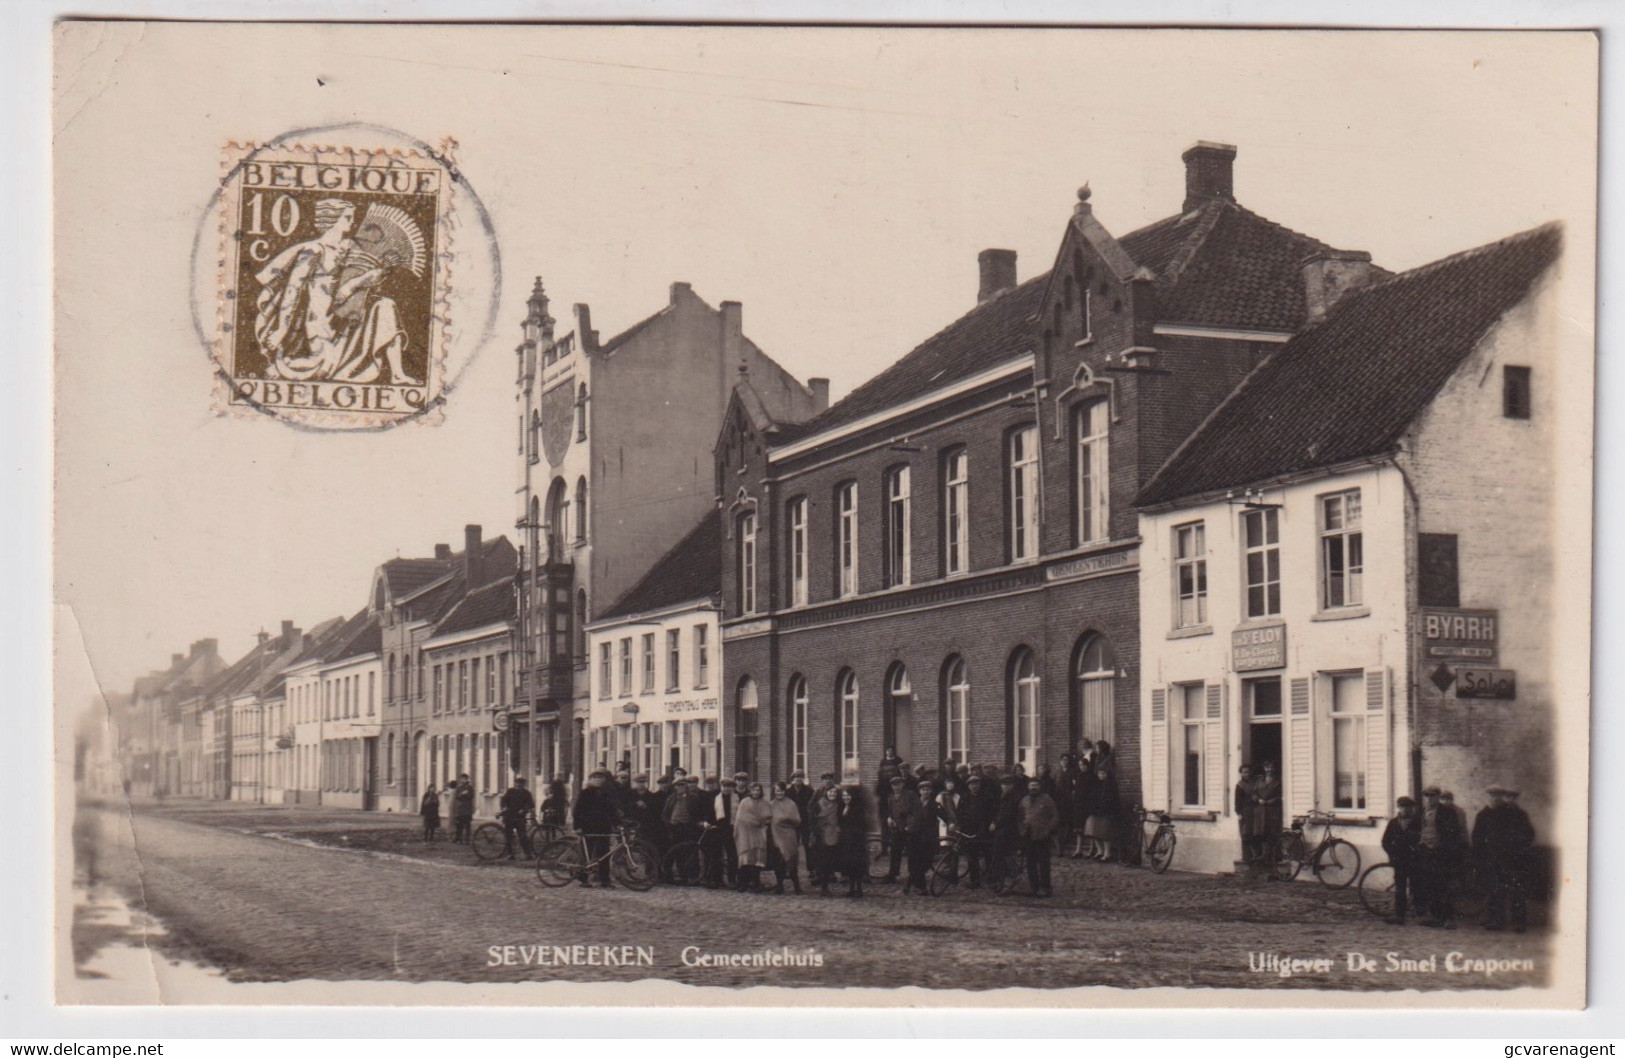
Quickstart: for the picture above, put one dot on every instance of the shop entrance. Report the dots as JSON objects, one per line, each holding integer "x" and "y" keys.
{"x": 1263, "y": 744}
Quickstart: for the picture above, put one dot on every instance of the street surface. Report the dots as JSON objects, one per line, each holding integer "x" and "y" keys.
{"x": 273, "y": 894}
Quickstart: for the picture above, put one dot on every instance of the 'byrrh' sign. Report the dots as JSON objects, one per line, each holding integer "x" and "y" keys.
{"x": 1258, "y": 648}
{"x": 1462, "y": 635}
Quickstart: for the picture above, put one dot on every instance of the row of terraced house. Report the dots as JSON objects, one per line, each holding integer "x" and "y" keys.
{"x": 1213, "y": 491}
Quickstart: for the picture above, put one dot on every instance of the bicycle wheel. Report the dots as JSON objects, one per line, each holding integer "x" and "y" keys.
{"x": 541, "y": 834}
{"x": 633, "y": 867}
{"x": 1337, "y": 864}
{"x": 1377, "y": 889}
{"x": 684, "y": 864}
{"x": 561, "y": 862}
{"x": 489, "y": 841}
{"x": 1289, "y": 857}
{"x": 944, "y": 873}
{"x": 877, "y": 853}
{"x": 1161, "y": 852}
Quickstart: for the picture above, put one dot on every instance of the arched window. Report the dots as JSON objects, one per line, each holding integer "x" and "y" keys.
{"x": 581, "y": 510}
{"x": 558, "y": 516}
{"x": 797, "y": 697}
{"x": 745, "y": 737}
{"x": 1024, "y": 719}
{"x": 1091, "y": 488}
{"x": 846, "y": 724}
{"x": 956, "y": 710}
{"x": 900, "y": 711}
{"x": 1094, "y": 675}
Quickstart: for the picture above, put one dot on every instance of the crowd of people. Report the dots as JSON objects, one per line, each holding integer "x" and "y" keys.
{"x": 755, "y": 835}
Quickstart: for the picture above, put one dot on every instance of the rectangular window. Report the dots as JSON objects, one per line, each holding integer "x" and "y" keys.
{"x": 462, "y": 685}
{"x": 648, "y": 663}
{"x": 1440, "y": 580}
{"x": 439, "y": 688}
{"x": 1190, "y": 575}
{"x": 846, "y": 538}
{"x": 1515, "y": 392}
{"x": 1023, "y": 494}
{"x": 474, "y": 681}
{"x": 674, "y": 659}
{"x": 1092, "y": 486}
{"x": 702, "y": 658}
{"x": 606, "y": 682}
{"x": 1193, "y": 714}
{"x": 797, "y": 522}
{"x": 747, "y": 562}
{"x": 502, "y": 679}
{"x": 1342, "y": 550}
{"x": 897, "y": 527}
{"x": 1346, "y": 702}
{"x": 955, "y": 512}
{"x": 1261, "y": 542}
{"x": 626, "y": 666}
{"x": 372, "y": 694}
{"x": 491, "y": 699}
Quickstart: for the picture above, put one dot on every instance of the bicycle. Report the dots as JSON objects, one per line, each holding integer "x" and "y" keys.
{"x": 685, "y": 862}
{"x": 1335, "y": 862}
{"x": 1469, "y": 894}
{"x": 1158, "y": 847}
{"x": 569, "y": 859}
{"x": 1377, "y": 889}
{"x": 490, "y": 840}
{"x": 952, "y": 849}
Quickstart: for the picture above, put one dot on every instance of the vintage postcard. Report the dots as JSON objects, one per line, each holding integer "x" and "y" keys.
{"x": 881, "y": 516}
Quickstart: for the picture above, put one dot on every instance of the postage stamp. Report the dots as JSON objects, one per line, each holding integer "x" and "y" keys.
{"x": 332, "y": 283}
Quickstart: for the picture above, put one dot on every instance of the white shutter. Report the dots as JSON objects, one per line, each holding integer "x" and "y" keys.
{"x": 1299, "y": 766}
{"x": 1156, "y": 795}
{"x": 1378, "y": 757}
{"x": 1213, "y": 768}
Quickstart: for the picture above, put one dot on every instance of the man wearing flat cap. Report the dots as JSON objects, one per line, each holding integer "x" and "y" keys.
{"x": 1439, "y": 843}
{"x": 1503, "y": 839}
{"x": 1399, "y": 842}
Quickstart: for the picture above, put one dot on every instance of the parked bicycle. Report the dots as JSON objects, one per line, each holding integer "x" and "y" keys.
{"x": 685, "y": 861}
{"x": 1156, "y": 847}
{"x": 954, "y": 850}
{"x": 490, "y": 841}
{"x": 1335, "y": 862}
{"x": 1377, "y": 892}
{"x": 570, "y": 859}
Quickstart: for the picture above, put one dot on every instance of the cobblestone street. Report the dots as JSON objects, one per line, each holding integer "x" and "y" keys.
{"x": 270, "y": 894}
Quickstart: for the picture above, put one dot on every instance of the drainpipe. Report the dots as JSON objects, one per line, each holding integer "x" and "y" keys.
{"x": 1412, "y": 662}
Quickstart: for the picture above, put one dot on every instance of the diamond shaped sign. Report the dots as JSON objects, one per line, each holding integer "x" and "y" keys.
{"x": 1443, "y": 677}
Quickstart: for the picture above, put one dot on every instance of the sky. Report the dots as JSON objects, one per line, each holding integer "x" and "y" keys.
{"x": 838, "y": 183}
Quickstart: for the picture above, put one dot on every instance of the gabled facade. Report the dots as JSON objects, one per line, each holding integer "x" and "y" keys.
{"x": 152, "y": 723}
{"x": 1348, "y": 569}
{"x": 946, "y": 561}
{"x": 614, "y": 442}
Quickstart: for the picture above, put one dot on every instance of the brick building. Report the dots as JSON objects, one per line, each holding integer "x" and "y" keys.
{"x": 615, "y": 442}
{"x": 1342, "y": 565}
{"x": 946, "y": 560}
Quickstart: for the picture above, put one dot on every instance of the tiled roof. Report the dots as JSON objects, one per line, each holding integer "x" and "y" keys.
{"x": 406, "y": 575}
{"x": 690, "y": 570}
{"x": 356, "y": 636}
{"x": 995, "y": 331}
{"x": 1223, "y": 265}
{"x": 1351, "y": 384}
{"x": 488, "y": 605}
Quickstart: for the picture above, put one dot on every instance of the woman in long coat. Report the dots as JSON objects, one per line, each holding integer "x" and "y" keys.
{"x": 825, "y": 839}
{"x": 786, "y": 835}
{"x": 430, "y": 811}
{"x": 752, "y": 818}
{"x": 854, "y": 842}
{"x": 1106, "y": 801}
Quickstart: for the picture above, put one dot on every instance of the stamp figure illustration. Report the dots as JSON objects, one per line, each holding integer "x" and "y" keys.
{"x": 333, "y": 313}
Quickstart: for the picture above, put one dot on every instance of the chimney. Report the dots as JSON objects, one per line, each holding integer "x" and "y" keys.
{"x": 290, "y": 634}
{"x": 680, "y": 290}
{"x": 1208, "y": 173}
{"x": 584, "y": 331}
{"x": 175, "y": 660}
{"x": 471, "y": 554}
{"x": 1330, "y": 275}
{"x": 733, "y": 332}
{"x": 998, "y": 268}
{"x": 820, "y": 393}
{"x": 442, "y": 552}
{"x": 205, "y": 646}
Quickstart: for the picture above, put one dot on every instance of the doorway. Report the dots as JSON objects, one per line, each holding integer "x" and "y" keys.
{"x": 900, "y": 712}
{"x": 1263, "y": 743}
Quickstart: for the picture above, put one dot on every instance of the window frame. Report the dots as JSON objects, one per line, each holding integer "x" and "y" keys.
{"x": 956, "y": 511}
{"x": 796, "y": 531}
{"x": 897, "y": 561}
{"x": 747, "y": 527}
{"x": 626, "y": 667}
{"x": 702, "y": 657}
{"x": 1517, "y": 392}
{"x": 1357, "y": 719}
{"x": 648, "y": 651}
{"x": 1348, "y": 541}
{"x": 1268, "y": 550}
{"x": 956, "y": 709}
{"x": 1192, "y": 694}
{"x": 796, "y": 696}
{"x": 674, "y": 659}
{"x": 846, "y": 539}
{"x": 1026, "y": 709}
{"x": 1022, "y": 501}
{"x": 1091, "y": 476}
{"x": 606, "y": 669}
{"x": 1087, "y": 679}
{"x": 846, "y": 722}
{"x": 1194, "y": 560}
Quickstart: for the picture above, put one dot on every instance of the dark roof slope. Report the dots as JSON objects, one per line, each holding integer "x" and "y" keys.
{"x": 491, "y": 604}
{"x": 691, "y": 570}
{"x": 1225, "y": 266}
{"x": 1349, "y": 386}
{"x": 993, "y": 332}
